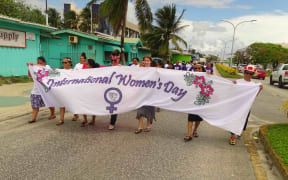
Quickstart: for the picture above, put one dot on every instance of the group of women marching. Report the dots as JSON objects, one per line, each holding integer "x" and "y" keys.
{"x": 147, "y": 112}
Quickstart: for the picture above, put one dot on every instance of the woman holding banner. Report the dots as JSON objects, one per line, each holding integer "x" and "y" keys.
{"x": 90, "y": 64}
{"x": 36, "y": 99}
{"x": 67, "y": 64}
{"x": 147, "y": 112}
{"x": 194, "y": 117}
{"x": 81, "y": 65}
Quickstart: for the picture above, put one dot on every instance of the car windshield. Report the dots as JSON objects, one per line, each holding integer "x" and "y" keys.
{"x": 259, "y": 69}
{"x": 285, "y": 67}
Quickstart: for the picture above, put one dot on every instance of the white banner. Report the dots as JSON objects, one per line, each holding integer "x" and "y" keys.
{"x": 114, "y": 90}
{"x": 12, "y": 38}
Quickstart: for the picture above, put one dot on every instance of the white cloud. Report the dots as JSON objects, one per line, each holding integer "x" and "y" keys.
{"x": 131, "y": 14}
{"x": 197, "y": 3}
{"x": 209, "y": 37}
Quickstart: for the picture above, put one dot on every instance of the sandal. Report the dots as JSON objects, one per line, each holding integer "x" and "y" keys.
{"x": 195, "y": 134}
{"x": 52, "y": 117}
{"x": 83, "y": 124}
{"x": 59, "y": 123}
{"x": 75, "y": 118}
{"x": 147, "y": 129}
{"x": 138, "y": 131}
{"x": 187, "y": 138}
{"x": 32, "y": 121}
{"x": 91, "y": 123}
{"x": 111, "y": 127}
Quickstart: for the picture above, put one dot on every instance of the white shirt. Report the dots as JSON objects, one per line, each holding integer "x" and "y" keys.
{"x": 35, "y": 90}
{"x": 78, "y": 66}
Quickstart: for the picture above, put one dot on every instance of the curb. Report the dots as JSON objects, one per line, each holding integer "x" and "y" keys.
{"x": 274, "y": 156}
{"x": 259, "y": 171}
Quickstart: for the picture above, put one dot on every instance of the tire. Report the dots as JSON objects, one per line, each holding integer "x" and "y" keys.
{"x": 271, "y": 81}
{"x": 263, "y": 78}
{"x": 280, "y": 84}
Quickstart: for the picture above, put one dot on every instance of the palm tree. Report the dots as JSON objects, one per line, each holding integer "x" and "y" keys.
{"x": 85, "y": 20}
{"x": 54, "y": 17}
{"x": 70, "y": 20}
{"x": 116, "y": 11}
{"x": 165, "y": 31}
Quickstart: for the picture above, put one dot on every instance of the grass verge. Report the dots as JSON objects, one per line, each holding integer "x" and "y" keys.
{"x": 278, "y": 138}
{"x": 14, "y": 79}
{"x": 226, "y": 74}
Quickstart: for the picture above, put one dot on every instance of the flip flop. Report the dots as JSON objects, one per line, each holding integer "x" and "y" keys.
{"x": 83, "y": 124}
{"x": 59, "y": 123}
{"x": 51, "y": 117}
{"x": 187, "y": 138}
{"x": 195, "y": 134}
{"x": 138, "y": 131}
{"x": 32, "y": 121}
{"x": 147, "y": 129}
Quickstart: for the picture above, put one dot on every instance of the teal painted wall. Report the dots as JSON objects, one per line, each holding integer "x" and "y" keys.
{"x": 13, "y": 60}
{"x": 142, "y": 53}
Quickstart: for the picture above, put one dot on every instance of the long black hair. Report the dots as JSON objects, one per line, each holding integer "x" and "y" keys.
{"x": 93, "y": 64}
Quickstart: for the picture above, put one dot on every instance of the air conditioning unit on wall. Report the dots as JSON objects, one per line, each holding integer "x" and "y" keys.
{"x": 73, "y": 39}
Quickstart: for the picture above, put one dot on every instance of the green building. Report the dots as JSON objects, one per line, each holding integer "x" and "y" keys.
{"x": 184, "y": 56}
{"x": 70, "y": 43}
{"x": 22, "y": 42}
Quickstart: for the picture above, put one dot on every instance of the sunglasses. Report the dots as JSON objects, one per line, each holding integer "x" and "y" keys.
{"x": 65, "y": 62}
{"x": 113, "y": 60}
{"x": 249, "y": 73}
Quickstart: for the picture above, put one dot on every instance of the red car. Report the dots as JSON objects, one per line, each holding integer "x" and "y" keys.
{"x": 260, "y": 73}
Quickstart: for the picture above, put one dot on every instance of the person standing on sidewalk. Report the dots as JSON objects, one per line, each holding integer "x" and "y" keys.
{"x": 115, "y": 61}
{"x": 35, "y": 97}
{"x": 248, "y": 73}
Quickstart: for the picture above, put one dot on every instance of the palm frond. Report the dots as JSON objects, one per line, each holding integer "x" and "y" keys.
{"x": 143, "y": 14}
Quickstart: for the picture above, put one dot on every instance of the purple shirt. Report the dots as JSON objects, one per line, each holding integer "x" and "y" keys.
{"x": 184, "y": 68}
{"x": 191, "y": 69}
{"x": 177, "y": 67}
{"x": 209, "y": 69}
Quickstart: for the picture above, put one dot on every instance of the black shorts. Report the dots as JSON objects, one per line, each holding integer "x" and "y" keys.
{"x": 194, "y": 117}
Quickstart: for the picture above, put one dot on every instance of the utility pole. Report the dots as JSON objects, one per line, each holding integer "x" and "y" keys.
{"x": 233, "y": 39}
{"x": 46, "y": 12}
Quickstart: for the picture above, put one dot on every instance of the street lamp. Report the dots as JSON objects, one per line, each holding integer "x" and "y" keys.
{"x": 234, "y": 27}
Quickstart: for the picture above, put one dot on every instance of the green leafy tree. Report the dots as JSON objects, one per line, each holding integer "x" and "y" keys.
{"x": 116, "y": 11}
{"x": 19, "y": 10}
{"x": 70, "y": 20}
{"x": 166, "y": 30}
{"x": 267, "y": 53}
{"x": 54, "y": 18}
{"x": 85, "y": 20}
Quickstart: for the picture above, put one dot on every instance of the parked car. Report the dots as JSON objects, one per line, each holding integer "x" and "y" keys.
{"x": 260, "y": 73}
{"x": 280, "y": 75}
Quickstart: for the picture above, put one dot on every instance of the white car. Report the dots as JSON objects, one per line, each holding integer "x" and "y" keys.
{"x": 280, "y": 75}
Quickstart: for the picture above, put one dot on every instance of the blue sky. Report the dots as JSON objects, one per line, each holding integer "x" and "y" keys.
{"x": 205, "y": 32}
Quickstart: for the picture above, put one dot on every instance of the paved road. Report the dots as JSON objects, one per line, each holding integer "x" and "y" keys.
{"x": 45, "y": 151}
{"x": 266, "y": 108}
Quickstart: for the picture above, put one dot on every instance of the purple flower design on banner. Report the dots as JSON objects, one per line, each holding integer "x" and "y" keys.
{"x": 206, "y": 90}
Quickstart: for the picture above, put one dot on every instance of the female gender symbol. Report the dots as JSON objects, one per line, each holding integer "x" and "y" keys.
{"x": 112, "y": 96}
